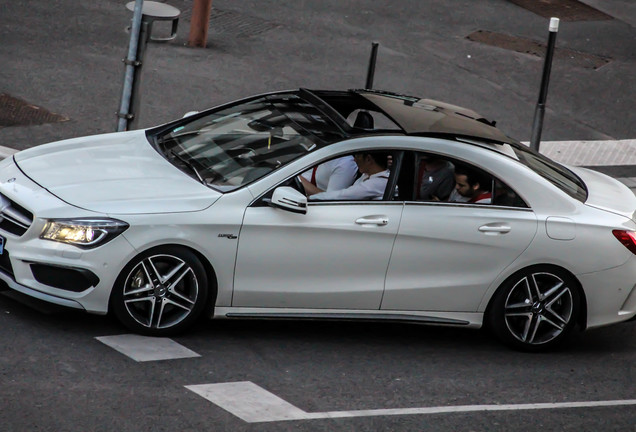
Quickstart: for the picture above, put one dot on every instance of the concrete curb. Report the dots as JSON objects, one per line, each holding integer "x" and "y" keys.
{"x": 591, "y": 153}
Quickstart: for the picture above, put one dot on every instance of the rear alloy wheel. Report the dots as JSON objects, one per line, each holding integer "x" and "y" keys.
{"x": 160, "y": 292}
{"x": 535, "y": 310}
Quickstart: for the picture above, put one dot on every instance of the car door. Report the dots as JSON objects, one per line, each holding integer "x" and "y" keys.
{"x": 446, "y": 254}
{"x": 333, "y": 257}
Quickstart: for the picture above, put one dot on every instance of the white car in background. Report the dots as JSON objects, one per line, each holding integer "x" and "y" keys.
{"x": 205, "y": 216}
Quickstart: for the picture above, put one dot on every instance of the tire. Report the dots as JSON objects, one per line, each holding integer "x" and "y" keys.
{"x": 536, "y": 309}
{"x": 160, "y": 292}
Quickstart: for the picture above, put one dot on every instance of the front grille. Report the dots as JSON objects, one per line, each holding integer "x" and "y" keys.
{"x": 13, "y": 217}
{"x": 5, "y": 263}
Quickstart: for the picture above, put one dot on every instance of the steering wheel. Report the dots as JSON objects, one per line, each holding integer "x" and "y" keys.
{"x": 299, "y": 185}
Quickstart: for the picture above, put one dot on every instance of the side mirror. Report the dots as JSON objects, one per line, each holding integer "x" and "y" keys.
{"x": 287, "y": 198}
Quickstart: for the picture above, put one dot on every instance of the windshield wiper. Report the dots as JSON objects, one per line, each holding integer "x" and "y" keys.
{"x": 189, "y": 165}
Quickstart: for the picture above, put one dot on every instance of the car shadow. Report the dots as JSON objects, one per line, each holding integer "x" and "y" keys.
{"x": 620, "y": 338}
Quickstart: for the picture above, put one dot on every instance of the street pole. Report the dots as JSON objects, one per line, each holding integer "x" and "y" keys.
{"x": 131, "y": 64}
{"x": 371, "y": 68}
{"x": 200, "y": 23}
{"x": 539, "y": 112}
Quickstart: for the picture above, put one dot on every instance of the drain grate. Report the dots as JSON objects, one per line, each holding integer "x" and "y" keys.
{"x": 565, "y": 10}
{"x": 234, "y": 24}
{"x": 538, "y": 49}
{"x": 16, "y": 112}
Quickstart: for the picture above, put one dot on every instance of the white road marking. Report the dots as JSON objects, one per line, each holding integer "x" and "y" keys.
{"x": 254, "y": 404}
{"x": 249, "y": 402}
{"x": 144, "y": 348}
{"x": 5, "y": 152}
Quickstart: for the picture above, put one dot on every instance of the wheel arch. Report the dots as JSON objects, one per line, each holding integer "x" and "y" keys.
{"x": 207, "y": 265}
{"x": 581, "y": 319}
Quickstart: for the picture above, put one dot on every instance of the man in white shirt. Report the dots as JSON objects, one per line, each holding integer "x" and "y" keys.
{"x": 332, "y": 175}
{"x": 370, "y": 185}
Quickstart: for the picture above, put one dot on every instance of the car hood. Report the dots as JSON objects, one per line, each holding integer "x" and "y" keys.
{"x": 118, "y": 173}
{"x": 606, "y": 193}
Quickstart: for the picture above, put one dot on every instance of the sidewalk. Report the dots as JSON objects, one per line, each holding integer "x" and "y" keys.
{"x": 64, "y": 58}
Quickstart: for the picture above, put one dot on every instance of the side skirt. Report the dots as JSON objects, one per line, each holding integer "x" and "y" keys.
{"x": 461, "y": 319}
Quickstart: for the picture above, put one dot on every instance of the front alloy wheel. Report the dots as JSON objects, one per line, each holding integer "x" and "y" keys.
{"x": 160, "y": 292}
{"x": 535, "y": 310}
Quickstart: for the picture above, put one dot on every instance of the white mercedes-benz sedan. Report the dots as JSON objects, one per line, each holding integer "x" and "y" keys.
{"x": 459, "y": 224}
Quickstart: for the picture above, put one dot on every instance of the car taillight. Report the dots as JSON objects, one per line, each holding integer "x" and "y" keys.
{"x": 628, "y": 238}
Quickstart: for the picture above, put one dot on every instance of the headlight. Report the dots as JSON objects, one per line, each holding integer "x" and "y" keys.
{"x": 84, "y": 233}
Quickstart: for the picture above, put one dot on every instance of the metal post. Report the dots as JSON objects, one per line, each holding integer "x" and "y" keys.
{"x": 200, "y": 23}
{"x": 135, "y": 96}
{"x": 131, "y": 63}
{"x": 371, "y": 69}
{"x": 539, "y": 112}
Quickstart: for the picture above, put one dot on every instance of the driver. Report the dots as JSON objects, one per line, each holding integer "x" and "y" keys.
{"x": 335, "y": 174}
{"x": 370, "y": 185}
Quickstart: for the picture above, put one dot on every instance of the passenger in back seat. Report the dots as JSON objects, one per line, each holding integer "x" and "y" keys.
{"x": 435, "y": 179}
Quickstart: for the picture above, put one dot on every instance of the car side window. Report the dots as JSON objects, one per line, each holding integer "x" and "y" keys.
{"x": 505, "y": 196}
{"x": 430, "y": 177}
{"x": 369, "y": 182}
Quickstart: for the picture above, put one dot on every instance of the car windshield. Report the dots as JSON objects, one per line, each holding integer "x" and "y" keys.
{"x": 235, "y": 145}
{"x": 556, "y": 174}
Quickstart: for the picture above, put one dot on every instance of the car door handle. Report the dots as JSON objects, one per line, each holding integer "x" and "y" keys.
{"x": 373, "y": 220}
{"x": 495, "y": 229}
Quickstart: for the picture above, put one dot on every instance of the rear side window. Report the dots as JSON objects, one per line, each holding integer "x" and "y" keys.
{"x": 556, "y": 174}
{"x": 429, "y": 177}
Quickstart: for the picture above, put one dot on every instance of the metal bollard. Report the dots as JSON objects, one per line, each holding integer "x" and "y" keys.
{"x": 539, "y": 113}
{"x": 144, "y": 15}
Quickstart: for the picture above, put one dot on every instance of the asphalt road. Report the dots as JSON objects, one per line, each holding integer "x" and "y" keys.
{"x": 65, "y": 56}
{"x": 56, "y": 376}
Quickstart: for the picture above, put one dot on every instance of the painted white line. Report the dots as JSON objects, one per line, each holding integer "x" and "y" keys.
{"x": 249, "y": 402}
{"x": 5, "y": 152}
{"x": 254, "y": 404}
{"x": 143, "y": 348}
{"x": 630, "y": 182}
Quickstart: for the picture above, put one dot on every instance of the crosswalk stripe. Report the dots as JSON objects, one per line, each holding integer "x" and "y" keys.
{"x": 144, "y": 348}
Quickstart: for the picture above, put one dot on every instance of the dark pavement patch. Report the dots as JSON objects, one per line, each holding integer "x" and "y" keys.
{"x": 565, "y": 10}
{"x": 16, "y": 112}
{"x": 538, "y": 49}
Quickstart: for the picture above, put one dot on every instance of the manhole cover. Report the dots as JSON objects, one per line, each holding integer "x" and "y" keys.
{"x": 527, "y": 46}
{"x": 16, "y": 112}
{"x": 565, "y": 10}
{"x": 234, "y": 23}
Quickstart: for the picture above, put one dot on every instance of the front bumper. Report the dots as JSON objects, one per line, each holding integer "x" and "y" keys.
{"x": 51, "y": 271}
{"x": 11, "y": 283}
{"x": 40, "y": 266}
